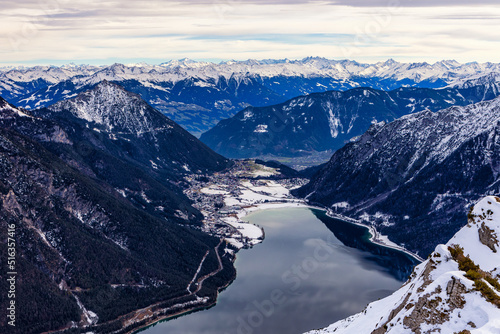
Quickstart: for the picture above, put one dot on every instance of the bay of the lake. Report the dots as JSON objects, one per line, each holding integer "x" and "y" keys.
{"x": 310, "y": 271}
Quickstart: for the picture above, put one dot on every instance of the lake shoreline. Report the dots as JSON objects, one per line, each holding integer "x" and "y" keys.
{"x": 374, "y": 235}
{"x": 302, "y": 204}
{"x": 255, "y": 204}
{"x": 287, "y": 231}
{"x": 181, "y": 313}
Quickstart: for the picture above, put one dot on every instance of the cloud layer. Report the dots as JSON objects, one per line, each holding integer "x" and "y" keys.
{"x": 55, "y": 31}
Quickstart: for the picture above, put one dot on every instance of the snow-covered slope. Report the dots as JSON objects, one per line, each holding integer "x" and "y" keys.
{"x": 8, "y": 111}
{"x": 455, "y": 291}
{"x": 114, "y": 108}
{"x": 18, "y": 82}
{"x": 123, "y": 123}
{"x": 490, "y": 82}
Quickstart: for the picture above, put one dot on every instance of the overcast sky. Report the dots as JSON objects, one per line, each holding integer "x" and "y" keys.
{"x": 127, "y": 31}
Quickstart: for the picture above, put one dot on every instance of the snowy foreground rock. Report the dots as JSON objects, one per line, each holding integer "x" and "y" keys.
{"x": 456, "y": 290}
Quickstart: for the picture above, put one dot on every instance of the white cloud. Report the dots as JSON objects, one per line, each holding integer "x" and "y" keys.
{"x": 105, "y": 30}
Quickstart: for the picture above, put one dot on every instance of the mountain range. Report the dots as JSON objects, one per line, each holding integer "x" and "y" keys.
{"x": 415, "y": 177}
{"x": 93, "y": 173}
{"x": 199, "y": 94}
{"x": 327, "y": 121}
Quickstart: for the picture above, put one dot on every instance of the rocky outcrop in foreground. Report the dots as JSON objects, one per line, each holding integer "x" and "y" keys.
{"x": 456, "y": 290}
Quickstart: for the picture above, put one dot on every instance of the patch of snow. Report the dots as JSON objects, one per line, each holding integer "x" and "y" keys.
{"x": 212, "y": 190}
{"x": 122, "y": 192}
{"x": 333, "y": 121}
{"x": 268, "y": 187}
{"x": 144, "y": 197}
{"x": 341, "y": 205}
{"x": 261, "y": 128}
{"x": 246, "y": 229}
{"x": 386, "y": 241}
{"x": 89, "y": 317}
{"x": 247, "y": 114}
{"x": 235, "y": 243}
{"x": 181, "y": 214}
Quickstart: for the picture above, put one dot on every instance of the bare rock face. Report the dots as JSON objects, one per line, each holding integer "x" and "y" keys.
{"x": 488, "y": 237}
{"x": 427, "y": 311}
{"x": 456, "y": 290}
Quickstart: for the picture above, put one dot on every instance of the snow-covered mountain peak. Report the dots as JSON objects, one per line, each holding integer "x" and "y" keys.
{"x": 184, "y": 63}
{"x": 491, "y": 80}
{"x": 449, "y": 63}
{"x": 389, "y": 62}
{"x": 456, "y": 290}
{"x": 175, "y": 70}
{"x": 118, "y": 110}
{"x": 50, "y": 74}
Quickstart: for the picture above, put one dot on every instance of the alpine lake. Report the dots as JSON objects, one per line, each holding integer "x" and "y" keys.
{"x": 310, "y": 271}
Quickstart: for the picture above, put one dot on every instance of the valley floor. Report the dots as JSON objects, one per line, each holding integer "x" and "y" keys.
{"x": 225, "y": 199}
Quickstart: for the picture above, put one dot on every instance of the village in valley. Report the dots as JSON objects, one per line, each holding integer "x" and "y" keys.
{"x": 225, "y": 198}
